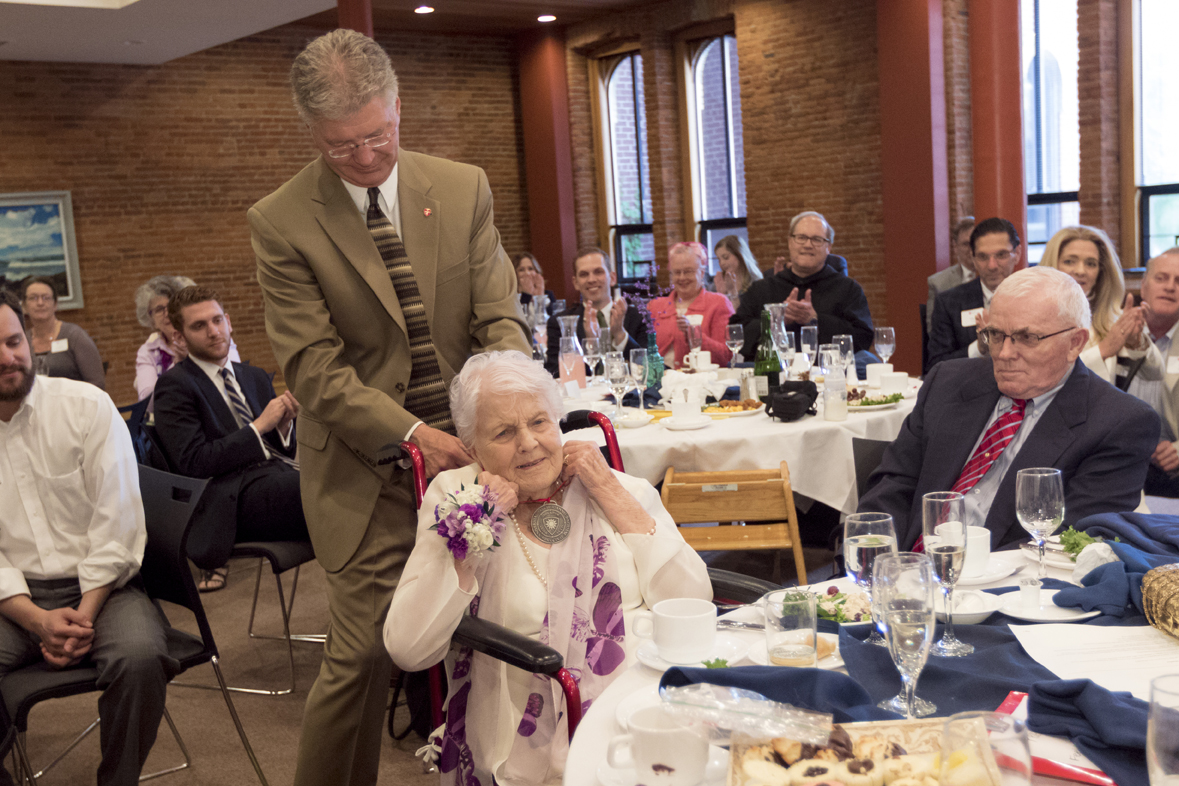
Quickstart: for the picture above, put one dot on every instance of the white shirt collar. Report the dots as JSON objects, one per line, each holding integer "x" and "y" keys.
{"x": 987, "y": 294}
{"x": 212, "y": 370}
{"x": 359, "y": 195}
{"x": 967, "y": 275}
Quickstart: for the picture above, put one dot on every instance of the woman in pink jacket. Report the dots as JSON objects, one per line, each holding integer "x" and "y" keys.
{"x": 686, "y": 265}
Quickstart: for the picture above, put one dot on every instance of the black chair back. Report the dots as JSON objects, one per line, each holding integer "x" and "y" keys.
{"x": 867, "y": 455}
{"x": 135, "y": 415}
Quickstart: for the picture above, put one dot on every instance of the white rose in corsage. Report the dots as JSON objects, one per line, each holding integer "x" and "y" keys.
{"x": 470, "y": 520}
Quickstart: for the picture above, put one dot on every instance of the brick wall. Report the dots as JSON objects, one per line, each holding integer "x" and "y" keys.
{"x": 1097, "y": 87}
{"x": 955, "y": 19}
{"x": 163, "y": 161}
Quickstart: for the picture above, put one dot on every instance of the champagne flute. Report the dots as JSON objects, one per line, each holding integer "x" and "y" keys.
{"x": 638, "y": 370}
{"x": 1162, "y": 731}
{"x": 847, "y": 353}
{"x": 735, "y": 340}
{"x": 1039, "y": 504}
{"x": 867, "y": 536}
{"x": 943, "y": 516}
{"x": 618, "y": 376}
{"x": 569, "y": 355}
{"x": 592, "y": 346}
{"x": 809, "y": 343}
{"x": 985, "y": 747}
{"x": 907, "y": 611}
{"x": 885, "y": 571}
{"x": 886, "y": 343}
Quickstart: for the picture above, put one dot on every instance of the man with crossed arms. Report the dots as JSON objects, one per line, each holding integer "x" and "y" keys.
{"x": 1032, "y": 403}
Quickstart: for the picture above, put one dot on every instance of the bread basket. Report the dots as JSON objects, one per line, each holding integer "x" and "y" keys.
{"x": 1160, "y": 598}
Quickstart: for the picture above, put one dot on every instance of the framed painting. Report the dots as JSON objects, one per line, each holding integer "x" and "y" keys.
{"x": 37, "y": 239}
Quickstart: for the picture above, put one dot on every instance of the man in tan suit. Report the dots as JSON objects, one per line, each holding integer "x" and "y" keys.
{"x": 382, "y": 272}
{"x": 1155, "y": 382}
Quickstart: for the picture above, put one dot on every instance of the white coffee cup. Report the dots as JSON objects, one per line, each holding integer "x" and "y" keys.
{"x": 703, "y": 359}
{"x": 978, "y": 551}
{"x": 874, "y": 371}
{"x": 660, "y": 750}
{"x": 893, "y": 382}
{"x": 683, "y": 629}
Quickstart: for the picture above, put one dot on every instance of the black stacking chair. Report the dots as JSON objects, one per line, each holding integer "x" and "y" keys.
{"x": 135, "y": 414}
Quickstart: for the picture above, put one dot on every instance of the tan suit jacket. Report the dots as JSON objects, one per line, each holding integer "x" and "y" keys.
{"x": 337, "y": 328}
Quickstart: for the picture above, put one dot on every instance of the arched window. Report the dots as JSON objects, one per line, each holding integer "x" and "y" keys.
{"x": 629, "y": 175}
{"x": 1157, "y": 120}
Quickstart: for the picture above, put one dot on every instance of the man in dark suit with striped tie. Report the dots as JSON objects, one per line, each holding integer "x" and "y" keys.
{"x": 221, "y": 420}
{"x": 1031, "y": 403}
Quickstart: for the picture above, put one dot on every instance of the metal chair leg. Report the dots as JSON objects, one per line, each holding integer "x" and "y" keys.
{"x": 183, "y": 750}
{"x": 290, "y": 608}
{"x": 69, "y": 748}
{"x": 237, "y": 721}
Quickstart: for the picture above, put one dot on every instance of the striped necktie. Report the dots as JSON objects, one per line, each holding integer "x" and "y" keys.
{"x": 243, "y": 415}
{"x": 426, "y": 397}
{"x": 994, "y": 442}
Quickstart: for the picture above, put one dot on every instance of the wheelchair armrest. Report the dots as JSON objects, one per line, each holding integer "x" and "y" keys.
{"x": 506, "y": 645}
{"x": 738, "y": 588}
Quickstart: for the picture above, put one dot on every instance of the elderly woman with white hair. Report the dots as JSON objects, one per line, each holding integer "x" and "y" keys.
{"x": 585, "y": 548}
{"x": 686, "y": 265}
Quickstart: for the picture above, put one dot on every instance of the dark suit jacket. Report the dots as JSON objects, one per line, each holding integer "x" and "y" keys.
{"x": 632, "y": 323}
{"x": 947, "y": 338}
{"x": 203, "y": 440}
{"x": 1100, "y": 438}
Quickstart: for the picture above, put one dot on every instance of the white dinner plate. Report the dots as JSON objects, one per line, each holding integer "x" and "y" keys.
{"x": 714, "y": 772}
{"x": 1047, "y": 611}
{"x": 700, "y": 421}
{"x": 731, "y": 648}
{"x": 871, "y": 407}
{"x": 757, "y": 653}
{"x": 744, "y": 413}
{"x": 1000, "y": 565}
{"x": 970, "y": 606}
{"x": 1053, "y": 559}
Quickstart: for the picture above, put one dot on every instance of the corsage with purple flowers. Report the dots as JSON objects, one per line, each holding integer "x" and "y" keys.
{"x": 470, "y": 520}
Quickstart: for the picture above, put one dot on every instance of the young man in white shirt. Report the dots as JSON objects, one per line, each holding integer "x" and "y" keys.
{"x": 71, "y": 547}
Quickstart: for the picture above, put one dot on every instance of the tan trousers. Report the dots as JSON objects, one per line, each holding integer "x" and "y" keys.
{"x": 342, "y": 722}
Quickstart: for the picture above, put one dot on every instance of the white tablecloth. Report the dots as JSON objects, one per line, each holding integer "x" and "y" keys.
{"x": 818, "y": 452}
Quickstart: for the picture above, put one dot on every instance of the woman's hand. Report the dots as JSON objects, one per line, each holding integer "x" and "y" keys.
{"x": 725, "y": 283}
{"x": 507, "y": 493}
{"x": 681, "y": 322}
{"x": 1127, "y": 331}
{"x": 584, "y": 460}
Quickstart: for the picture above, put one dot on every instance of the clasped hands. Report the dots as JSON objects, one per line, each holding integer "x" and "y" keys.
{"x": 66, "y": 636}
{"x": 799, "y": 310}
{"x": 279, "y": 413}
{"x": 617, "y": 315}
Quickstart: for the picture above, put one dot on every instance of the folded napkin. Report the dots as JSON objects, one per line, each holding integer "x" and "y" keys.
{"x": 1108, "y": 727}
{"x": 1152, "y": 533}
{"x": 811, "y": 689}
{"x": 1114, "y": 588}
{"x": 698, "y": 386}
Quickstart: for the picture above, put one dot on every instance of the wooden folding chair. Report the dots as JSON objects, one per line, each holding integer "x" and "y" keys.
{"x": 736, "y": 500}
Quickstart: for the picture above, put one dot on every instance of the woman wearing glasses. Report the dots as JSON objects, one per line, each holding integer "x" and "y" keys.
{"x": 61, "y": 349}
{"x": 685, "y": 268}
{"x": 1117, "y": 338}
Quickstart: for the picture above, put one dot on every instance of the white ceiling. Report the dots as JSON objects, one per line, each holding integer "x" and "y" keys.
{"x": 147, "y": 32}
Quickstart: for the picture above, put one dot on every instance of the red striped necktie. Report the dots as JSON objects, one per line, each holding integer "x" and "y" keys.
{"x": 994, "y": 442}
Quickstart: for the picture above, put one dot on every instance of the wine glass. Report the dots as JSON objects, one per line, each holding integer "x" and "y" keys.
{"x": 906, "y": 609}
{"x": 592, "y": 346}
{"x": 1039, "y": 504}
{"x": 847, "y": 353}
{"x": 886, "y": 343}
{"x": 1162, "y": 731}
{"x": 783, "y": 344}
{"x": 943, "y": 515}
{"x": 867, "y": 536}
{"x": 638, "y": 370}
{"x": 618, "y": 376}
{"x": 569, "y": 355}
{"x": 882, "y": 577}
{"x": 735, "y": 340}
{"x": 809, "y": 343}
{"x": 985, "y": 747}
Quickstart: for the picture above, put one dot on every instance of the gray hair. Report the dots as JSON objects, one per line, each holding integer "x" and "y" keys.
{"x": 812, "y": 214}
{"x": 504, "y": 372}
{"x": 1150, "y": 262}
{"x": 1046, "y": 283}
{"x": 158, "y": 286}
{"x": 340, "y": 73}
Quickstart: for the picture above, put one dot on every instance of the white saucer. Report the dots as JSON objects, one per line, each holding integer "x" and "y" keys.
{"x": 980, "y": 604}
{"x": 731, "y": 648}
{"x": 714, "y": 772}
{"x": 1000, "y": 565}
{"x": 1046, "y": 612}
{"x": 700, "y": 421}
{"x": 757, "y": 653}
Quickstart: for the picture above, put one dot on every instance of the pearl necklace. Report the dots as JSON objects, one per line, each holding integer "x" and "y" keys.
{"x": 527, "y": 553}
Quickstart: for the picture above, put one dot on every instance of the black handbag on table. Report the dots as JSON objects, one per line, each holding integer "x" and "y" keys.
{"x": 793, "y": 399}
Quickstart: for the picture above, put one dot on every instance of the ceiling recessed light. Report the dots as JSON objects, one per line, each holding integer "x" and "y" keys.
{"x": 423, "y": 9}
{"x": 546, "y": 18}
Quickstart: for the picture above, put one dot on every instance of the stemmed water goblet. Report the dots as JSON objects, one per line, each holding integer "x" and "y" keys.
{"x": 886, "y": 343}
{"x": 847, "y": 353}
{"x": 620, "y": 381}
{"x": 734, "y": 341}
{"x": 904, "y": 585}
{"x": 943, "y": 516}
{"x": 1039, "y": 504}
{"x": 639, "y": 371}
{"x": 593, "y": 353}
{"x": 808, "y": 344}
{"x": 866, "y": 537}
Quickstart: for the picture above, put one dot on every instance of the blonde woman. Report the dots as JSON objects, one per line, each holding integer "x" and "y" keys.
{"x": 1087, "y": 254}
{"x": 738, "y": 268}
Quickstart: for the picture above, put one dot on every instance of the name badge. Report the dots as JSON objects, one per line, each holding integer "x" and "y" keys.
{"x": 970, "y": 317}
{"x": 61, "y": 345}
{"x": 1173, "y": 365}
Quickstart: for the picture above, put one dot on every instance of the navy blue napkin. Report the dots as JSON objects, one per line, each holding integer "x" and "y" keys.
{"x": 1153, "y": 533}
{"x": 811, "y": 689}
{"x": 1109, "y": 727}
{"x": 980, "y": 681}
{"x": 1116, "y": 587}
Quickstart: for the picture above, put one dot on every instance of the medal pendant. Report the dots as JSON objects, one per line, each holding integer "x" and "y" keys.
{"x": 550, "y": 523}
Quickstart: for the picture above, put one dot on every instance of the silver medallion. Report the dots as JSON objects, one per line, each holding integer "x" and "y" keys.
{"x": 550, "y": 523}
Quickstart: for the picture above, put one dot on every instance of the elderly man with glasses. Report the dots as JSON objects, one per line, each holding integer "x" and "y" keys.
{"x": 1032, "y": 403}
{"x": 815, "y": 293}
{"x": 995, "y": 248}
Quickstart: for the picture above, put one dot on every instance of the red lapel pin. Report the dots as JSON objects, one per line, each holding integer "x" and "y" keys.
{"x": 426, "y": 212}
